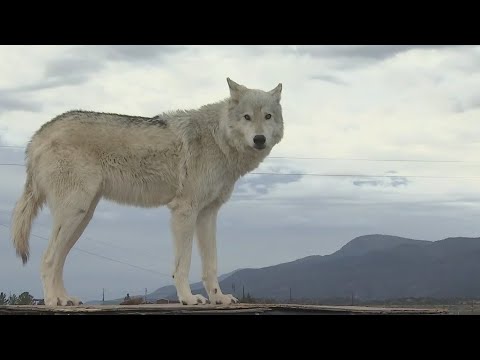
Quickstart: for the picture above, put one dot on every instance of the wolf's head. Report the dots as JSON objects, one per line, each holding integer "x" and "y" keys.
{"x": 255, "y": 121}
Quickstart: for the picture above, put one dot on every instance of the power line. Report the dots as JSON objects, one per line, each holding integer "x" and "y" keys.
{"x": 368, "y": 176}
{"x": 335, "y": 158}
{"x": 102, "y": 256}
{"x": 93, "y": 239}
{"x": 366, "y": 159}
{"x": 339, "y": 175}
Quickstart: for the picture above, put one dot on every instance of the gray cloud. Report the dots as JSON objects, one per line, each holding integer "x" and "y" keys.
{"x": 461, "y": 106}
{"x": 357, "y": 52}
{"x": 261, "y": 184}
{"x": 138, "y": 52}
{"x": 79, "y": 64}
{"x": 377, "y": 52}
{"x": 351, "y": 56}
{"x": 258, "y": 50}
{"x": 367, "y": 182}
{"x": 393, "y": 181}
{"x": 67, "y": 66}
{"x": 399, "y": 181}
{"x": 52, "y": 82}
{"x": 330, "y": 79}
{"x": 10, "y": 103}
{"x": 68, "y": 71}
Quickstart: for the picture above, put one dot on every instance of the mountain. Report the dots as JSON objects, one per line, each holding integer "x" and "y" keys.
{"x": 368, "y": 243}
{"x": 373, "y": 267}
{"x": 370, "y": 267}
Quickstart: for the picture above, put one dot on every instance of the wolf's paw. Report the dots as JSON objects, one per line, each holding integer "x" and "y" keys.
{"x": 62, "y": 301}
{"x": 193, "y": 300}
{"x": 223, "y": 299}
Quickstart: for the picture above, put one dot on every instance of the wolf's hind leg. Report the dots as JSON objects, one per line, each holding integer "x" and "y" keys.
{"x": 71, "y": 216}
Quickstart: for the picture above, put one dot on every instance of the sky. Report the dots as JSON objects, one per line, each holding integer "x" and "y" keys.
{"x": 348, "y": 110}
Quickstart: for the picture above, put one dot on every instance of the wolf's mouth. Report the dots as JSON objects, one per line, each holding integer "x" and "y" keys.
{"x": 259, "y": 146}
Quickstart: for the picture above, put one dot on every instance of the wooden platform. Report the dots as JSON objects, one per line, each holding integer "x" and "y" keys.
{"x": 238, "y": 309}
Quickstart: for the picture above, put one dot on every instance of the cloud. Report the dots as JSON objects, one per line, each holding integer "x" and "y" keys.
{"x": 342, "y": 57}
{"x": 76, "y": 66}
{"x": 71, "y": 65}
{"x": 329, "y": 78}
{"x": 463, "y": 105}
{"x": 374, "y": 52}
{"x": 138, "y": 52}
{"x": 253, "y": 185}
{"x": 11, "y": 103}
{"x": 65, "y": 71}
{"x": 49, "y": 83}
{"x": 393, "y": 181}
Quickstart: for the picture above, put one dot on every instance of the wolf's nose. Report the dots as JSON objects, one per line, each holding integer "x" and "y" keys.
{"x": 259, "y": 139}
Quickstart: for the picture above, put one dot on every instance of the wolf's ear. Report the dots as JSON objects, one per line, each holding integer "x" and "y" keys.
{"x": 235, "y": 89}
{"x": 277, "y": 92}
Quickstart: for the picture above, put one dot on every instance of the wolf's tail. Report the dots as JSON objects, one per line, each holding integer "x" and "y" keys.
{"x": 26, "y": 209}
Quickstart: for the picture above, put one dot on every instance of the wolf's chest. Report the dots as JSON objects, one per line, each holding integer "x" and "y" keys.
{"x": 212, "y": 186}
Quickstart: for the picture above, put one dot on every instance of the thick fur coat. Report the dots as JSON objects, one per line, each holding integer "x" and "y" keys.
{"x": 187, "y": 160}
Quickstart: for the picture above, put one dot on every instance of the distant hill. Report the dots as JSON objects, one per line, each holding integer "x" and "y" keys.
{"x": 368, "y": 243}
{"x": 371, "y": 267}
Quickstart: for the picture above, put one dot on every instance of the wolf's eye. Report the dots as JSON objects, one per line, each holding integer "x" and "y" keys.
{"x": 247, "y": 117}
{"x": 268, "y": 116}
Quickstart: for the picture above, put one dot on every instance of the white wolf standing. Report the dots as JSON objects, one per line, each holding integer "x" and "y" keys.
{"x": 186, "y": 160}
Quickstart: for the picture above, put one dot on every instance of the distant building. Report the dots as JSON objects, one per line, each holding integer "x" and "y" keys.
{"x": 163, "y": 301}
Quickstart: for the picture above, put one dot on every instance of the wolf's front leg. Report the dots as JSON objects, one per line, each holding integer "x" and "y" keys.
{"x": 207, "y": 244}
{"x": 183, "y": 227}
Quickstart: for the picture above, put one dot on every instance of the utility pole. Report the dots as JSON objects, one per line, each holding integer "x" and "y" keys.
{"x": 103, "y": 296}
{"x": 290, "y": 294}
{"x": 145, "y": 295}
{"x": 233, "y": 287}
{"x": 244, "y": 291}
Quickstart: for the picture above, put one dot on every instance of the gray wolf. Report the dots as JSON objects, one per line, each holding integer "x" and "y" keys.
{"x": 187, "y": 160}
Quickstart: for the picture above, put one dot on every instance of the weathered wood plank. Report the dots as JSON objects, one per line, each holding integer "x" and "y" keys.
{"x": 239, "y": 309}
